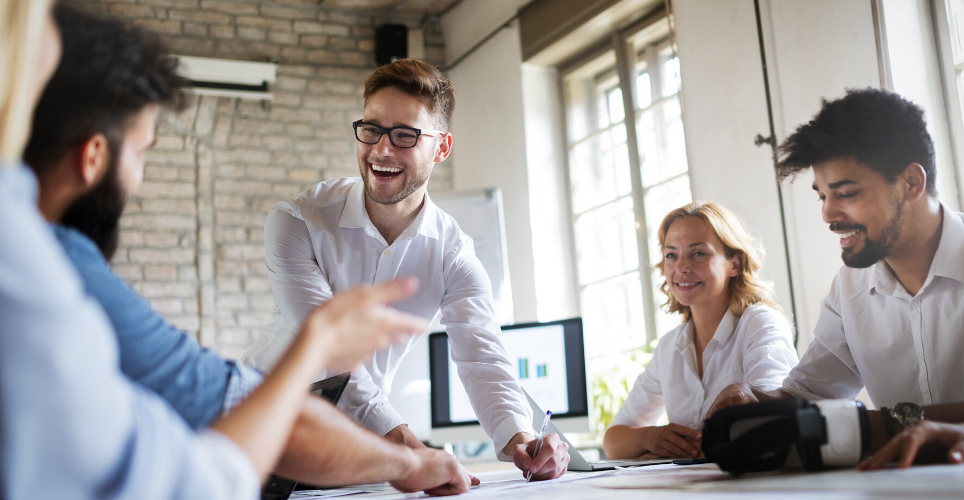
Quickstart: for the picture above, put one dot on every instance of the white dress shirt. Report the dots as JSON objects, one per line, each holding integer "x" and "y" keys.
{"x": 323, "y": 241}
{"x": 872, "y": 333}
{"x": 756, "y": 348}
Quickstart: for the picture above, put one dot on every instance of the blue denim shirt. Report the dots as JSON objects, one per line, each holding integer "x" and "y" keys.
{"x": 169, "y": 361}
{"x": 72, "y": 425}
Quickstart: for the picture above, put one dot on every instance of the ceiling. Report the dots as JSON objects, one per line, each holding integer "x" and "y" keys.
{"x": 419, "y": 7}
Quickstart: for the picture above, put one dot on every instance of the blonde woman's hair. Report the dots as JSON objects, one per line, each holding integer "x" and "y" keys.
{"x": 21, "y": 25}
{"x": 746, "y": 288}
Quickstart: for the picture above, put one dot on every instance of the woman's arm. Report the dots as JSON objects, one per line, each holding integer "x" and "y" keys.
{"x": 672, "y": 440}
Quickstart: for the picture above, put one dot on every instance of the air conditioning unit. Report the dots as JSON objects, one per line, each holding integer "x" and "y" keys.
{"x": 228, "y": 78}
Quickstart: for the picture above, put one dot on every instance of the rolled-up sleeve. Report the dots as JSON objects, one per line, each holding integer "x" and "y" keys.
{"x": 479, "y": 356}
{"x": 242, "y": 381}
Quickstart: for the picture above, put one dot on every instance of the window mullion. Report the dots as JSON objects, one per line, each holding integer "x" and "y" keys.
{"x": 624, "y": 66}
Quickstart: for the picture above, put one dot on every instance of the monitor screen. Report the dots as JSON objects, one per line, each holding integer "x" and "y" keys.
{"x": 547, "y": 358}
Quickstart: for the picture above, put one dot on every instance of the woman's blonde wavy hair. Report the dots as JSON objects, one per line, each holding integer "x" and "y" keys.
{"x": 746, "y": 288}
{"x": 21, "y": 25}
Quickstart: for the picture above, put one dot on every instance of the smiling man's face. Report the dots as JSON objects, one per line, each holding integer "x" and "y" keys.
{"x": 392, "y": 174}
{"x": 862, "y": 208}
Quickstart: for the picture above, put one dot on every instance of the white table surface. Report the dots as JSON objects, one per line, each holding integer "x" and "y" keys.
{"x": 707, "y": 481}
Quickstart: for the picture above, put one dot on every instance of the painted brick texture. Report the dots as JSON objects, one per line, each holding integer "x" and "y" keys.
{"x": 192, "y": 239}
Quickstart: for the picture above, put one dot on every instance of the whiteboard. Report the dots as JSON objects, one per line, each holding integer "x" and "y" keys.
{"x": 479, "y": 215}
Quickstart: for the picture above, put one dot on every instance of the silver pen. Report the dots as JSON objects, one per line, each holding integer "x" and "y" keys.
{"x": 542, "y": 439}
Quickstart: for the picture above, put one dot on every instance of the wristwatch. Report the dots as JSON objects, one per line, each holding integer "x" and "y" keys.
{"x": 907, "y": 414}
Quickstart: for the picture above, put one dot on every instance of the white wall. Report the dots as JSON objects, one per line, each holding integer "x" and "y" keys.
{"x": 557, "y": 292}
{"x": 723, "y": 109}
{"x": 489, "y": 150}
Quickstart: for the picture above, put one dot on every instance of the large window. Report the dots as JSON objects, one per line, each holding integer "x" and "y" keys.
{"x": 627, "y": 169}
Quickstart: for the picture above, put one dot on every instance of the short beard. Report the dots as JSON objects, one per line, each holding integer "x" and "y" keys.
{"x": 875, "y": 250}
{"x": 97, "y": 214}
{"x": 411, "y": 185}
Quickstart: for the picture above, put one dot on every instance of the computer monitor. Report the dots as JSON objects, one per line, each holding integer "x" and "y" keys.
{"x": 548, "y": 360}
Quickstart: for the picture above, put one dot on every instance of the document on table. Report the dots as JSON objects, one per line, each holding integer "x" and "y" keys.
{"x": 334, "y": 492}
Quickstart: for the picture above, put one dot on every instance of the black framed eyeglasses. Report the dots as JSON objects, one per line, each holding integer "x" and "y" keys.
{"x": 400, "y": 137}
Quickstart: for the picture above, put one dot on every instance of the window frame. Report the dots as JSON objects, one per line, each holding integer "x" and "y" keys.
{"x": 621, "y": 42}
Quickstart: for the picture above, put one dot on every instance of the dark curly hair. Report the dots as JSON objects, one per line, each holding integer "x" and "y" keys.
{"x": 108, "y": 73}
{"x": 878, "y": 128}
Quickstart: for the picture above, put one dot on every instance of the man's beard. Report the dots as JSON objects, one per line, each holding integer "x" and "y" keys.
{"x": 412, "y": 183}
{"x": 873, "y": 250}
{"x": 97, "y": 214}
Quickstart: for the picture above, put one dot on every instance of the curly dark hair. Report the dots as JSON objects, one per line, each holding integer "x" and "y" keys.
{"x": 108, "y": 73}
{"x": 878, "y": 128}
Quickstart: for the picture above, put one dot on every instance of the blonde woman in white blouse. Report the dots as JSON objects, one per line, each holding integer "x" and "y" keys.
{"x": 732, "y": 331}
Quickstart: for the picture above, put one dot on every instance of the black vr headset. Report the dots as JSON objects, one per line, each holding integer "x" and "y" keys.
{"x": 789, "y": 433}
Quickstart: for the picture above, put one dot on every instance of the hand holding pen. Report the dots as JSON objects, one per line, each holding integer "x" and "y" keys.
{"x": 541, "y": 438}
{"x": 540, "y": 458}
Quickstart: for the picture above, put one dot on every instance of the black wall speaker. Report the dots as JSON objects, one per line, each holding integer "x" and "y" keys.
{"x": 391, "y": 43}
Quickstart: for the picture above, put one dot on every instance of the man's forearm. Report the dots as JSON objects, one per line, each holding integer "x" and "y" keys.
{"x": 773, "y": 395}
{"x": 950, "y": 413}
{"x": 328, "y": 448}
{"x": 404, "y": 436}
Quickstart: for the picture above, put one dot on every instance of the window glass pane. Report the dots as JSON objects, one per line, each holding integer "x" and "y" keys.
{"x": 613, "y": 316}
{"x": 599, "y": 170}
{"x": 675, "y": 139}
{"x": 644, "y": 87}
{"x": 956, "y": 22}
{"x": 615, "y": 101}
{"x": 587, "y": 92}
{"x": 606, "y": 241}
{"x": 662, "y": 145}
{"x": 670, "y": 72}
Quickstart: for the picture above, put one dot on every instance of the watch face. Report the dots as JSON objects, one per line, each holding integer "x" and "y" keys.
{"x": 909, "y": 414}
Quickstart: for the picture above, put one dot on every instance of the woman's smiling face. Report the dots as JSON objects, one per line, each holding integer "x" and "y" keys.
{"x": 695, "y": 264}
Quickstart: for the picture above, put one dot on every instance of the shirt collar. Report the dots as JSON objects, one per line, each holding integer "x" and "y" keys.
{"x": 355, "y": 215}
{"x": 948, "y": 259}
{"x": 721, "y": 335}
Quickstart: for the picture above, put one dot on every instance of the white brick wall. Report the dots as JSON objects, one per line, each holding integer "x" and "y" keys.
{"x": 192, "y": 239}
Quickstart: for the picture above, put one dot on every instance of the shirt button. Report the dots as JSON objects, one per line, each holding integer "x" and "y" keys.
{"x": 387, "y": 253}
{"x": 913, "y": 305}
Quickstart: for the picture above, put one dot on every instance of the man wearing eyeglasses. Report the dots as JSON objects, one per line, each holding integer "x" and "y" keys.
{"x": 347, "y": 232}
